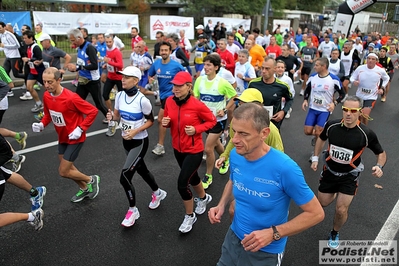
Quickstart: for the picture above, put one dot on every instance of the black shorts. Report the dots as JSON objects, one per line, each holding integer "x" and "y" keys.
{"x": 306, "y": 71}
{"x": 70, "y": 151}
{"x": 345, "y": 78}
{"x": 218, "y": 128}
{"x": 369, "y": 103}
{"x": 329, "y": 183}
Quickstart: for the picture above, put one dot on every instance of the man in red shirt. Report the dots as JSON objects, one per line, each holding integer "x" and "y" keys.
{"x": 71, "y": 116}
{"x": 225, "y": 55}
{"x": 136, "y": 37}
{"x": 273, "y": 50}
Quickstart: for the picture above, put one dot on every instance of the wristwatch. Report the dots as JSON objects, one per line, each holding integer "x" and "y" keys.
{"x": 276, "y": 234}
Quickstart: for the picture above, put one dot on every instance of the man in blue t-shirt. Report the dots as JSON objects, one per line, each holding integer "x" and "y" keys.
{"x": 263, "y": 181}
{"x": 164, "y": 70}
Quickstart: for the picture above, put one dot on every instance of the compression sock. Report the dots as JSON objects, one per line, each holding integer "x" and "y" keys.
{"x": 33, "y": 192}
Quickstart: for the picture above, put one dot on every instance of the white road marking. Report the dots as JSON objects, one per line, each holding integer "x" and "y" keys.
{"x": 55, "y": 143}
{"x": 389, "y": 229}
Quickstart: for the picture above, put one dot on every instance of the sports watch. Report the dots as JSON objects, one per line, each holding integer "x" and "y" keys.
{"x": 276, "y": 234}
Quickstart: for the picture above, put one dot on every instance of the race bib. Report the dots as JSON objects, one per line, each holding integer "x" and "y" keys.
{"x": 269, "y": 109}
{"x": 340, "y": 155}
{"x": 46, "y": 64}
{"x": 272, "y": 55}
{"x": 125, "y": 126}
{"x": 31, "y": 65}
{"x": 317, "y": 101}
{"x": 80, "y": 62}
{"x": 366, "y": 91}
{"x": 57, "y": 118}
{"x": 110, "y": 68}
{"x": 307, "y": 57}
{"x": 198, "y": 54}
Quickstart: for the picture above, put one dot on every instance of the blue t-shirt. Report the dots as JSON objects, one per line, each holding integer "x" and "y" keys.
{"x": 102, "y": 49}
{"x": 263, "y": 190}
{"x": 165, "y": 74}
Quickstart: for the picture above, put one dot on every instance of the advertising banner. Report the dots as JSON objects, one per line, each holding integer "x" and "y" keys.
{"x": 171, "y": 24}
{"x": 58, "y": 23}
{"x": 17, "y": 19}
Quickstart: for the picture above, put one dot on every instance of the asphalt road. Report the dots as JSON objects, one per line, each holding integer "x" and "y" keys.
{"x": 89, "y": 233}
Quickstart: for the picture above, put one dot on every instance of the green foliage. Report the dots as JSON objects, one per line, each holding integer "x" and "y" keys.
{"x": 311, "y": 5}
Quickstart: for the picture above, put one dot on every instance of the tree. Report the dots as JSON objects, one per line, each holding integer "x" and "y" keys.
{"x": 137, "y": 6}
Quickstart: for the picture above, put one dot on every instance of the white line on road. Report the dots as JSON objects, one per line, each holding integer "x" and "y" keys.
{"x": 55, "y": 143}
{"x": 389, "y": 229}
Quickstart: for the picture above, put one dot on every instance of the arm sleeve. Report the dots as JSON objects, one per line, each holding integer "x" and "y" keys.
{"x": 92, "y": 54}
{"x": 341, "y": 70}
{"x": 13, "y": 42}
{"x": 37, "y": 52}
{"x": 307, "y": 91}
{"x": 86, "y": 108}
{"x": 187, "y": 44}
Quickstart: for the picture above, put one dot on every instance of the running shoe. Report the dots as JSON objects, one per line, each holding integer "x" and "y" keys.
{"x": 94, "y": 186}
{"x": 201, "y": 204}
{"x": 105, "y": 121}
{"x": 37, "y": 202}
{"x": 26, "y": 96}
{"x": 130, "y": 218}
{"x": 10, "y": 94}
{"x": 158, "y": 149}
{"x": 223, "y": 139}
{"x": 156, "y": 199}
{"x": 37, "y": 108}
{"x": 38, "y": 222}
{"x": 39, "y": 116}
{"x": 301, "y": 92}
{"x": 288, "y": 115}
{"x": 225, "y": 167}
{"x": 187, "y": 224}
{"x": 36, "y": 87}
{"x": 383, "y": 99}
{"x": 22, "y": 139}
{"x": 81, "y": 195}
{"x": 15, "y": 166}
{"x": 333, "y": 241}
{"x": 207, "y": 181}
{"x": 204, "y": 156}
{"x": 112, "y": 94}
{"x": 111, "y": 129}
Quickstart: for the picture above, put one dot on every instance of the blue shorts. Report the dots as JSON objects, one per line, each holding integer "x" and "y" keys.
{"x": 143, "y": 81}
{"x": 315, "y": 117}
{"x": 199, "y": 67}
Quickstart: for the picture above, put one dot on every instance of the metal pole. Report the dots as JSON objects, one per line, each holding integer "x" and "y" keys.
{"x": 266, "y": 23}
{"x": 383, "y": 22}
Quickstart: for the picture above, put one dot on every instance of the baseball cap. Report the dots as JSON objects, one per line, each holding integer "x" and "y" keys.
{"x": 199, "y": 27}
{"x": 131, "y": 71}
{"x": 251, "y": 95}
{"x": 109, "y": 32}
{"x": 371, "y": 45}
{"x": 181, "y": 78}
{"x": 201, "y": 36}
{"x": 43, "y": 37}
{"x": 372, "y": 55}
{"x": 286, "y": 36}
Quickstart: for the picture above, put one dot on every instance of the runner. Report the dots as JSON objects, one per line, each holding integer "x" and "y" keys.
{"x": 71, "y": 116}
{"x": 134, "y": 111}
{"x": 387, "y": 64}
{"x": 186, "y": 131}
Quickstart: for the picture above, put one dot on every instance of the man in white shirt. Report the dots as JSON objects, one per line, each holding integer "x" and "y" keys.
{"x": 231, "y": 46}
{"x": 117, "y": 41}
{"x": 267, "y": 38}
{"x": 10, "y": 45}
{"x": 259, "y": 39}
{"x": 358, "y": 46}
{"x": 326, "y": 47}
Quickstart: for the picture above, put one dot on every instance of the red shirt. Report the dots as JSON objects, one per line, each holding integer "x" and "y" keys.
{"x": 228, "y": 59}
{"x": 115, "y": 63}
{"x": 67, "y": 111}
{"x": 136, "y": 40}
{"x": 191, "y": 113}
{"x": 273, "y": 50}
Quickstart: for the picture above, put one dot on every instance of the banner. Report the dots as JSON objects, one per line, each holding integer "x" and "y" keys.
{"x": 342, "y": 23}
{"x": 284, "y": 25}
{"x": 59, "y": 23}
{"x": 230, "y": 22}
{"x": 171, "y": 24}
{"x": 17, "y": 19}
{"x": 358, "y": 5}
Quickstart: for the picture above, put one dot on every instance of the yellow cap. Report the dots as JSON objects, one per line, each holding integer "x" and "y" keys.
{"x": 251, "y": 95}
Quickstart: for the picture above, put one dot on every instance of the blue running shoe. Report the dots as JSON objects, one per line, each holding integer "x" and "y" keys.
{"x": 37, "y": 202}
{"x": 333, "y": 241}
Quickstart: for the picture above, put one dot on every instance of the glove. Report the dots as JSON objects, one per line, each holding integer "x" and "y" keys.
{"x": 76, "y": 133}
{"x": 37, "y": 127}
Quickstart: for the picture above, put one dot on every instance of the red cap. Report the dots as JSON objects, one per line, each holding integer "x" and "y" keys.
{"x": 181, "y": 78}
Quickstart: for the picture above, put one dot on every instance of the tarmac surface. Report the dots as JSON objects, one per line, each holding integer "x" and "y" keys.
{"x": 89, "y": 232}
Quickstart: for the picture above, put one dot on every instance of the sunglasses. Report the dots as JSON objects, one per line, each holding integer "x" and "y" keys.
{"x": 352, "y": 110}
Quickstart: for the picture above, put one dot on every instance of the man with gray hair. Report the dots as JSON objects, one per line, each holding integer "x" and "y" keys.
{"x": 244, "y": 71}
{"x": 87, "y": 65}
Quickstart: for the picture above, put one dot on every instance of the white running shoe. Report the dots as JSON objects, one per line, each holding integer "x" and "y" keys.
{"x": 187, "y": 224}
{"x": 156, "y": 200}
{"x": 159, "y": 149}
{"x": 27, "y": 96}
{"x": 288, "y": 115}
{"x": 302, "y": 92}
{"x": 201, "y": 204}
{"x": 130, "y": 218}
